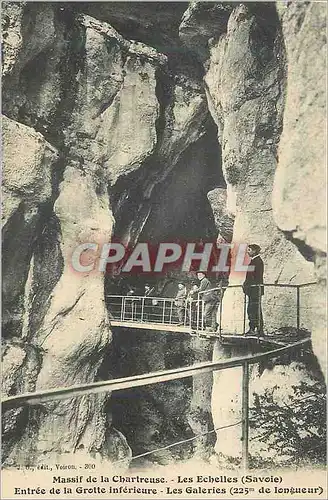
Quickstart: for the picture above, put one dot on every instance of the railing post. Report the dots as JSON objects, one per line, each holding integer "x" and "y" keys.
{"x": 171, "y": 311}
{"x": 203, "y": 311}
{"x": 188, "y": 311}
{"x": 298, "y": 304}
{"x": 198, "y": 311}
{"x": 142, "y": 308}
{"x": 185, "y": 313}
{"x": 123, "y": 308}
{"x": 220, "y": 317}
{"x": 259, "y": 312}
{"x": 245, "y": 416}
{"x": 163, "y": 316}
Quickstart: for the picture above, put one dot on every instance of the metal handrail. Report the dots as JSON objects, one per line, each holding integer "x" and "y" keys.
{"x": 193, "y": 319}
{"x": 139, "y": 297}
{"x": 44, "y": 396}
{"x": 257, "y": 285}
{"x": 40, "y": 397}
{"x": 141, "y": 380}
{"x": 278, "y": 285}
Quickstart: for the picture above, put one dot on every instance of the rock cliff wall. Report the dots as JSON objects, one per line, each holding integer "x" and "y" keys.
{"x": 246, "y": 79}
{"x": 299, "y": 195}
{"x": 109, "y": 115}
{"x": 252, "y": 63}
{"x": 95, "y": 122}
{"x": 153, "y": 417}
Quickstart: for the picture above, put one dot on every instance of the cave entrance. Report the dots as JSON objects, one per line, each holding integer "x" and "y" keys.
{"x": 178, "y": 210}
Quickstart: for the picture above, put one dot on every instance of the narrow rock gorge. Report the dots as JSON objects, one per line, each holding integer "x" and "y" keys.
{"x": 158, "y": 122}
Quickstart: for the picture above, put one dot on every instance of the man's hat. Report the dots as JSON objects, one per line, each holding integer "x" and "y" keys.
{"x": 255, "y": 247}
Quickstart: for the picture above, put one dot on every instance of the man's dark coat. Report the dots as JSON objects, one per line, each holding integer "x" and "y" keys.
{"x": 254, "y": 277}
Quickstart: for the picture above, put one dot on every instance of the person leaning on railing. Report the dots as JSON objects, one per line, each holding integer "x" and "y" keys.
{"x": 254, "y": 291}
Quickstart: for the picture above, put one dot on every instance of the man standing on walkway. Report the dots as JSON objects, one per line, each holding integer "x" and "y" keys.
{"x": 254, "y": 291}
{"x": 210, "y": 300}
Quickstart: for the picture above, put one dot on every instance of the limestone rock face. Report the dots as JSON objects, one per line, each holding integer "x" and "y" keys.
{"x": 286, "y": 410}
{"x": 155, "y": 24}
{"x": 28, "y": 165}
{"x": 117, "y": 108}
{"x": 299, "y": 194}
{"x": 20, "y": 366}
{"x": 12, "y": 38}
{"x": 27, "y": 168}
{"x": 77, "y": 306}
{"x": 253, "y": 72}
{"x": 20, "y": 47}
{"x": 99, "y": 102}
{"x": 156, "y": 416}
{"x": 245, "y": 80}
{"x": 187, "y": 107}
{"x": 132, "y": 120}
{"x": 223, "y": 219}
{"x": 34, "y": 47}
{"x": 56, "y": 300}
{"x": 202, "y": 22}
{"x": 300, "y": 172}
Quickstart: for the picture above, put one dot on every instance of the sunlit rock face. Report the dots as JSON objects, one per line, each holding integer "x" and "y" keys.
{"x": 252, "y": 74}
{"x": 247, "y": 73}
{"x": 299, "y": 194}
{"x": 20, "y": 366}
{"x": 28, "y": 160}
{"x": 114, "y": 126}
{"x": 64, "y": 313}
{"x": 91, "y": 117}
{"x": 28, "y": 165}
{"x": 246, "y": 79}
{"x": 286, "y": 410}
{"x": 155, "y": 24}
{"x": 224, "y": 218}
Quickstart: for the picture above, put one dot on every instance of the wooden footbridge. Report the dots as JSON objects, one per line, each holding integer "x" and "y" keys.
{"x": 127, "y": 314}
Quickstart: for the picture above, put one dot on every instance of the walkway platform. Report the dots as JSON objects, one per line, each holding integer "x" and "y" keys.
{"x": 162, "y": 314}
{"x": 151, "y": 326}
{"x": 225, "y": 338}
